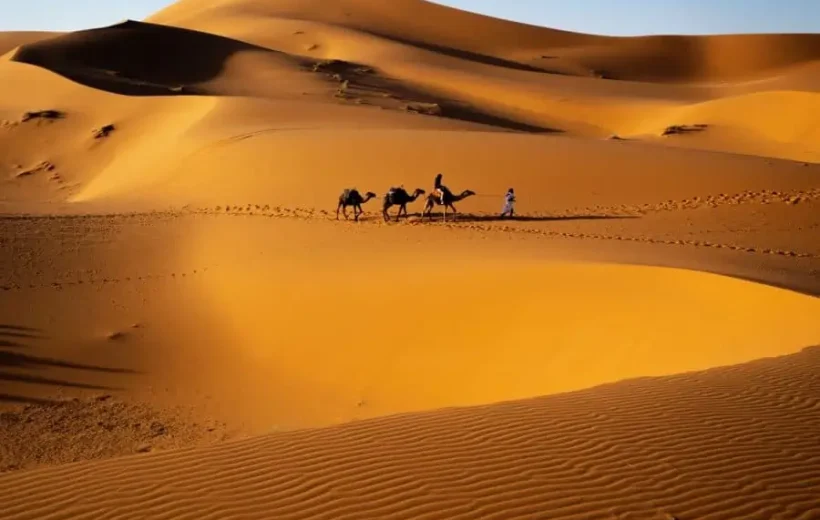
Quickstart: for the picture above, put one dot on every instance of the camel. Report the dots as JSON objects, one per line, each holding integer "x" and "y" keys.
{"x": 399, "y": 197}
{"x": 355, "y": 199}
{"x": 443, "y": 197}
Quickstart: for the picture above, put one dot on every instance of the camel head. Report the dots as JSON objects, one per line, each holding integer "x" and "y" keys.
{"x": 466, "y": 193}
{"x": 418, "y": 192}
{"x": 369, "y": 195}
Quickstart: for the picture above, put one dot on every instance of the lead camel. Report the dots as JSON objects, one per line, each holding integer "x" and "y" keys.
{"x": 442, "y": 196}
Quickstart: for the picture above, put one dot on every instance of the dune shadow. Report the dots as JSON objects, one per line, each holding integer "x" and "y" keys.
{"x": 530, "y": 218}
{"x": 136, "y": 58}
{"x": 18, "y": 367}
{"x": 471, "y": 114}
{"x": 37, "y": 380}
{"x": 15, "y": 328}
{"x": 19, "y": 335}
{"x": 17, "y": 399}
{"x": 11, "y": 336}
{"x": 25, "y": 361}
{"x": 377, "y": 87}
{"x": 469, "y": 217}
{"x": 462, "y": 54}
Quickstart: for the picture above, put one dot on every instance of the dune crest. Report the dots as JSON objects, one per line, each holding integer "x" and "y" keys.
{"x": 653, "y": 58}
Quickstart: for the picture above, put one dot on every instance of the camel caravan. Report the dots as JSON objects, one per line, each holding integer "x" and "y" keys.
{"x": 398, "y": 196}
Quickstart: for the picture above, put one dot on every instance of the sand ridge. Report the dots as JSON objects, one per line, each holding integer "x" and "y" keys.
{"x": 650, "y": 448}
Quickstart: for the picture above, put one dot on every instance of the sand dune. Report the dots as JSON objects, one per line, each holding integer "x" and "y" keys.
{"x": 124, "y": 58}
{"x": 538, "y": 76}
{"x": 173, "y": 277}
{"x": 767, "y": 123}
{"x": 651, "y": 448}
{"x": 468, "y": 35}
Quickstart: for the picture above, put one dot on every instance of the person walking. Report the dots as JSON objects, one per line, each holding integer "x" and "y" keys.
{"x": 509, "y": 204}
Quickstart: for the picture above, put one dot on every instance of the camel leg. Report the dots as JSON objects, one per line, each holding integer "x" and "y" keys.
{"x": 454, "y": 211}
{"x": 337, "y": 211}
{"x": 385, "y": 214}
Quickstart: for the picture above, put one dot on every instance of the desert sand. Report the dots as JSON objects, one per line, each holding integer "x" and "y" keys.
{"x": 187, "y": 330}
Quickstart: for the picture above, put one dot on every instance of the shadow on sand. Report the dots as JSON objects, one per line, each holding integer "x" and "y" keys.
{"x": 137, "y": 58}
{"x": 463, "y": 54}
{"x": 15, "y": 363}
{"x": 468, "y": 217}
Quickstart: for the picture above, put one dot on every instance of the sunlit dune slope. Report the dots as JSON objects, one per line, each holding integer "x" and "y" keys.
{"x": 511, "y": 329}
{"x": 279, "y": 166}
{"x": 9, "y": 40}
{"x": 281, "y": 308}
{"x": 781, "y": 123}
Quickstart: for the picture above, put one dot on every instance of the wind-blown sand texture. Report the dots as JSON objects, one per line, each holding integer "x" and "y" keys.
{"x": 186, "y": 330}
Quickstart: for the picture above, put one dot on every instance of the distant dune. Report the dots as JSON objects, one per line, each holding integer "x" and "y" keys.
{"x": 11, "y": 40}
{"x": 190, "y": 327}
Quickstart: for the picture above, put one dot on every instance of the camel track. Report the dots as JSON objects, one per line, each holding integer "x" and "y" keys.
{"x": 763, "y": 197}
{"x": 644, "y": 240}
{"x": 26, "y": 239}
{"x": 102, "y": 281}
{"x": 77, "y": 230}
{"x": 727, "y": 443}
{"x": 311, "y": 214}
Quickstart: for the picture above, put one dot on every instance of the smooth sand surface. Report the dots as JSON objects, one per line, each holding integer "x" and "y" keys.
{"x": 187, "y": 330}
